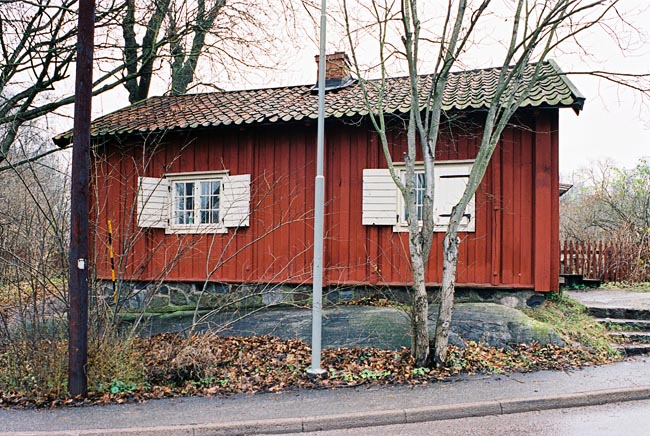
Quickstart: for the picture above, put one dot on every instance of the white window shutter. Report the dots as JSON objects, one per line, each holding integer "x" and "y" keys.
{"x": 235, "y": 200}
{"x": 451, "y": 180}
{"x": 379, "y": 206}
{"x": 153, "y": 202}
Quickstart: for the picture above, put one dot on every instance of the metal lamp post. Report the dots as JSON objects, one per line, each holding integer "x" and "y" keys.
{"x": 319, "y": 199}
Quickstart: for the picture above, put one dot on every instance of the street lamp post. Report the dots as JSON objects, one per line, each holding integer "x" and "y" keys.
{"x": 319, "y": 200}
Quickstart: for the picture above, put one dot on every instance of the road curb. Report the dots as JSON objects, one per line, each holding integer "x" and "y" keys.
{"x": 372, "y": 419}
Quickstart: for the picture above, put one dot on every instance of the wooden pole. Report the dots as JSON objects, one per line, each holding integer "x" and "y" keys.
{"x": 78, "y": 311}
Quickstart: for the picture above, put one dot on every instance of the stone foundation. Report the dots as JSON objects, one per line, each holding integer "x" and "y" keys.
{"x": 167, "y": 297}
{"x": 365, "y": 326}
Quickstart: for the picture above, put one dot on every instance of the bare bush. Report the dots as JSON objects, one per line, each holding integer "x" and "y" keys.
{"x": 33, "y": 244}
{"x": 612, "y": 204}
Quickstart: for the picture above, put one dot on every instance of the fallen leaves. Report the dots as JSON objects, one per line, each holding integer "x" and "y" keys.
{"x": 211, "y": 365}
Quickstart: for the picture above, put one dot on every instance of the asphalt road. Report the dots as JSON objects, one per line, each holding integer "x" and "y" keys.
{"x": 624, "y": 419}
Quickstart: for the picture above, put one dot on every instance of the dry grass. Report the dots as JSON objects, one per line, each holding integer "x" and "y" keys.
{"x": 37, "y": 370}
{"x": 573, "y": 323}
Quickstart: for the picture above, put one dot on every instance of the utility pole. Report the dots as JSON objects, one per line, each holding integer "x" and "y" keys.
{"x": 319, "y": 206}
{"x": 78, "y": 310}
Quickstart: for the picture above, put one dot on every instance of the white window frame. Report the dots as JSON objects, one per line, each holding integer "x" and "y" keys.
{"x": 468, "y": 226}
{"x": 196, "y": 178}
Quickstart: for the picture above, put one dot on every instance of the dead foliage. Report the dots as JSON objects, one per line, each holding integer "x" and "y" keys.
{"x": 211, "y": 365}
{"x": 369, "y": 301}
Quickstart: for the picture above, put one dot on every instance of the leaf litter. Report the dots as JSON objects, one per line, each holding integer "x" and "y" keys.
{"x": 211, "y": 365}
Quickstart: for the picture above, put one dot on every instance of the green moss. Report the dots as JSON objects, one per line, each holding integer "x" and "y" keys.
{"x": 132, "y": 316}
{"x": 540, "y": 328}
{"x": 571, "y": 320}
{"x": 160, "y": 310}
{"x": 177, "y": 314}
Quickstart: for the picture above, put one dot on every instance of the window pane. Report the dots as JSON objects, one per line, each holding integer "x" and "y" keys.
{"x": 209, "y": 202}
{"x": 214, "y": 202}
{"x": 420, "y": 181}
{"x": 420, "y": 185}
{"x": 183, "y": 212}
{"x": 205, "y": 200}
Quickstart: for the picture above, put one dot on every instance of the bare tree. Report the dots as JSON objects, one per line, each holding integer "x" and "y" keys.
{"x": 33, "y": 242}
{"x": 584, "y": 215}
{"x": 37, "y": 49}
{"x": 612, "y": 204}
{"x": 537, "y": 28}
{"x": 178, "y": 34}
{"x": 38, "y": 45}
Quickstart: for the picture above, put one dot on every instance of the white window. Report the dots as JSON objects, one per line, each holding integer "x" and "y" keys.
{"x": 194, "y": 202}
{"x": 383, "y": 203}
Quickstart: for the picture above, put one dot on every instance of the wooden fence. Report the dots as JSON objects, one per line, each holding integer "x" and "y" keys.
{"x": 602, "y": 260}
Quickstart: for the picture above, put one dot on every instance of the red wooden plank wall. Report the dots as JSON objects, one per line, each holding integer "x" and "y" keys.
{"x": 516, "y": 208}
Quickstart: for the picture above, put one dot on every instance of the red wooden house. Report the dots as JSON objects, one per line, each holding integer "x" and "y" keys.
{"x": 219, "y": 186}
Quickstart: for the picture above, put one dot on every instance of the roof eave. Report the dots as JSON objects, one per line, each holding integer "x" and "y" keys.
{"x": 579, "y": 99}
{"x": 63, "y": 140}
{"x": 578, "y": 104}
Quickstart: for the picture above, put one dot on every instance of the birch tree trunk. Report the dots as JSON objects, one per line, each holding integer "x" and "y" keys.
{"x": 445, "y": 312}
{"x": 419, "y": 309}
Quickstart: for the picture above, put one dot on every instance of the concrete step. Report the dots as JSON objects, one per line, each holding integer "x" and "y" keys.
{"x": 633, "y": 349}
{"x": 617, "y": 324}
{"x": 578, "y": 280}
{"x": 619, "y": 313}
{"x": 631, "y": 337}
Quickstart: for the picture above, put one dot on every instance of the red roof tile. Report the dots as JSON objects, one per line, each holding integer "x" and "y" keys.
{"x": 465, "y": 90}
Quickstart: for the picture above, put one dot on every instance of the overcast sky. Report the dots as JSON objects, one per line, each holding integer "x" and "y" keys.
{"x": 615, "y": 122}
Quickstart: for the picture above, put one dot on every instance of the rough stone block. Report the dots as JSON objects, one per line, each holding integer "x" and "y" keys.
{"x": 137, "y": 299}
{"x": 275, "y": 295}
{"x": 212, "y": 300}
{"x": 216, "y": 288}
{"x": 159, "y": 301}
{"x": 346, "y": 294}
{"x": 178, "y": 297}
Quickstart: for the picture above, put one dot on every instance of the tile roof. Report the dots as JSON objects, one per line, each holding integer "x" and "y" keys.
{"x": 465, "y": 90}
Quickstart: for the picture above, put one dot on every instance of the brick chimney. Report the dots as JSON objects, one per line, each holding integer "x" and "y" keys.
{"x": 337, "y": 71}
